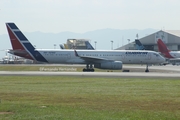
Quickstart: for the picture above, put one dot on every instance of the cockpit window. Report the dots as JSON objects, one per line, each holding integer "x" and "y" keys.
{"x": 156, "y": 54}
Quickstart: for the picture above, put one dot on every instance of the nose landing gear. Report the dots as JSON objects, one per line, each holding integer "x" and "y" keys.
{"x": 147, "y": 70}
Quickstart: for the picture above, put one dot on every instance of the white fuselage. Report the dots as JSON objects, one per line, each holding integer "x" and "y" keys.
{"x": 125, "y": 56}
{"x": 175, "y": 54}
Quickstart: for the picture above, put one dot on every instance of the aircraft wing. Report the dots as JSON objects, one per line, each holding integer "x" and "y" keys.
{"x": 92, "y": 59}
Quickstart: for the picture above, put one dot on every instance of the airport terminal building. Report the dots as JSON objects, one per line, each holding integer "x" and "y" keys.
{"x": 170, "y": 37}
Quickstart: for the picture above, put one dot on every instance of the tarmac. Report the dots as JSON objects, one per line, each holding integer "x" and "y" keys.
{"x": 136, "y": 71}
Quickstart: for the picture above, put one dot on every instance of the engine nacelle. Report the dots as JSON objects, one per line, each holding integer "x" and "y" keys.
{"x": 114, "y": 65}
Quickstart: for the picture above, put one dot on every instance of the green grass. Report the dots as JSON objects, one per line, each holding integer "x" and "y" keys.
{"x": 69, "y": 98}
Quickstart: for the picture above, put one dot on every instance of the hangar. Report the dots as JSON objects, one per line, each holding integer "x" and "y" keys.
{"x": 170, "y": 37}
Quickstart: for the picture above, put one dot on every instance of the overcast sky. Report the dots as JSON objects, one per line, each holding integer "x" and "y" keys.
{"x": 86, "y": 15}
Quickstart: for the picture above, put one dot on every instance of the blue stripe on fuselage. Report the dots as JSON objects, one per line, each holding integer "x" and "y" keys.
{"x": 35, "y": 54}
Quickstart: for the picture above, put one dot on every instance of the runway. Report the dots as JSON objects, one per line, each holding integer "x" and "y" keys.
{"x": 93, "y": 74}
{"x": 155, "y": 72}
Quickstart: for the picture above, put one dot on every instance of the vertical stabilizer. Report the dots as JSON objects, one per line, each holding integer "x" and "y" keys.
{"x": 163, "y": 49}
{"x": 139, "y": 45}
{"x": 89, "y": 46}
{"x": 20, "y": 44}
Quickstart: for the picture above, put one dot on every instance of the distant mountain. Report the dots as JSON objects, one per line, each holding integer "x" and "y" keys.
{"x": 103, "y": 37}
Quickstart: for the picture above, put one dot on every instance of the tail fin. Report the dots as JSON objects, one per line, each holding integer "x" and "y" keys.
{"x": 61, "y": 46}
{"x": 163, "y": 49}
{"x": 20, "y": 44}
{"x": 89, "y": 46}
{"x": 139, "y": 45}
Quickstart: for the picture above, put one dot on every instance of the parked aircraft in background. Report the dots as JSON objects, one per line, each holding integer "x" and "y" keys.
{"x": 139, "y": 45}
{"x": 63, "y": 46}
{"x": 172, "y": 56}
{"x": 88, "y": 46}
{"x": 103, "y": 59}
{"x": 166, "y": 52}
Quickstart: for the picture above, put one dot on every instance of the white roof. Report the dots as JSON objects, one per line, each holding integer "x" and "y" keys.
{"x": 174, "y": 32}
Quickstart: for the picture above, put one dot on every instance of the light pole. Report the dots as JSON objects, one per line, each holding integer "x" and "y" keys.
{"x": 111, "y": 45}
{"x": 128, "y": 44}
{"x": 95, "y": 44}
{"x": 128, "y": 40}
{"x": 137, "y": 36}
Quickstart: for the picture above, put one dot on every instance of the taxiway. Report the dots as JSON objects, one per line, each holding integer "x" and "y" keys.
{"x": 168, "y": 71}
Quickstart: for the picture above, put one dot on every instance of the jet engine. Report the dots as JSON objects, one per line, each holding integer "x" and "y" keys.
{"x": 114, "y": 65}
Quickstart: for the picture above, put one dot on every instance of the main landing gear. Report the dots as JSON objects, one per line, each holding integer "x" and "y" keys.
{"x": 89, "y": 68}
{"x": 147, "y": 70}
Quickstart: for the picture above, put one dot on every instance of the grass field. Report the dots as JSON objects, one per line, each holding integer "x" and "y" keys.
{"x": 80, "y": 98}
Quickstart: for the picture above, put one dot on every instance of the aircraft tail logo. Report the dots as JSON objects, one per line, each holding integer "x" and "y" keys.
{"x": 89, "y": 46}
{"x": 139, "y": 45}
{"x": 20, "y": 44}
{"x": 163, "y": 49}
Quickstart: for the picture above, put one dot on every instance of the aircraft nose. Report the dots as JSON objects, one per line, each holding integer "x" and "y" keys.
{"x": 163, "y": 59}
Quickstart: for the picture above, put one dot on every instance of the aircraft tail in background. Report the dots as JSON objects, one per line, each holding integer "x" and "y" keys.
{"x": 20, "y": 44}
{"x": 89, "y": 46}
{"x": 163, "y": 49}
{"x": 139, "y": 45}
{"x": 61, "y": 46}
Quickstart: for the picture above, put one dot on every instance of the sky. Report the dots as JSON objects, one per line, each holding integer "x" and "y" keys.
{"x": 81, "y": 16}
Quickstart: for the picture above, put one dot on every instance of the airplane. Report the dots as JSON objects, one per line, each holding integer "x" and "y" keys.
{"x": 172, "y": 56}
{"x": 166, "y": 52}
{"x": 139, "y": 45}
{"x": 103, "y": 59}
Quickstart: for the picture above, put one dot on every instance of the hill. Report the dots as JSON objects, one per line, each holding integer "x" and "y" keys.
{"x": 103, "y": 37}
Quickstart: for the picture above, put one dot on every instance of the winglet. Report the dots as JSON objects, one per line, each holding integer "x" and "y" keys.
{"x": 76, "y": 54}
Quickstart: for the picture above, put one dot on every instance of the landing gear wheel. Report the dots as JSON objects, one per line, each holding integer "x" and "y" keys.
{"x": 88, "y": 69}
{"x": 147, "y": 70}
{"x": 84, "y": 70}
